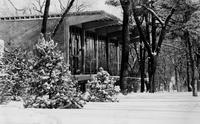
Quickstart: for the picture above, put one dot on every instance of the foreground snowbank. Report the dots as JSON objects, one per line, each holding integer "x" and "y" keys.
{"x": 159, "y": 108}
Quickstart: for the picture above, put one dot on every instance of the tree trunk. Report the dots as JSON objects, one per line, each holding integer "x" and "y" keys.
{"x": 188, "y": 74}
{"x": 107, "y": 54}
{"x": 198, "y": 68}
{"x": 192, "y": 64}
{"x": 142, "y": 67}
{"x": 45, "y": 18}
{"x": 125, "y": 45}
{"x": 185, "y": 37}
{"x": 153, "y": 33}
{"x": 152, "y": 71}
{"x": 176, "y": 78}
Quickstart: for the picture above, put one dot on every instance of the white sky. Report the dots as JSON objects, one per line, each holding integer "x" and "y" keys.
{"x": 6, "y": 8}
{"x": 100, "y": 5}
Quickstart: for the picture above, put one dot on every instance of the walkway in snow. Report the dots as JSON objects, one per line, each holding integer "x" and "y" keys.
{"x": 158, "y": 108}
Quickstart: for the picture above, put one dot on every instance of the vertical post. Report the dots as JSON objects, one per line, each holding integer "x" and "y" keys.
{"x": 96, "y": 47}
{"x": 83, "y": 50}
{"x": 118, "y": 56}
{"x": 66, "y": 41}
{"x": 107, "y": 53}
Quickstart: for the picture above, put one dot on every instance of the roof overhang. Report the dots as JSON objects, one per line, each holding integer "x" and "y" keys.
{"x": 99, "y": 22}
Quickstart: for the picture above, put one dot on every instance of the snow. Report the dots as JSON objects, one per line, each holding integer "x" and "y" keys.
{"x": 154, "y": 53}
{"x": 138, "y": 108}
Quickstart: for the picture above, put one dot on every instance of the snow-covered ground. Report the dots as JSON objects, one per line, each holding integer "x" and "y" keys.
{"x": 158, "y": 108}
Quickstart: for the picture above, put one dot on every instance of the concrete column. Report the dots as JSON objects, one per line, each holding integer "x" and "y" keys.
{"x": 118, "y": 56}
{"x": 66, "y": 41}
{"x": 96, "y": 47}
{"x": 107, "y": 53}
{"x": 83, "y": 50}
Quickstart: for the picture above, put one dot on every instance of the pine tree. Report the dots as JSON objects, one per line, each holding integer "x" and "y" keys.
{"x": 51, "y": 83}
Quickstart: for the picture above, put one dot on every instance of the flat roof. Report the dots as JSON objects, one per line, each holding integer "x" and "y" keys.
{"x": 100, "y": 22}
{"x": 52, "y": 16}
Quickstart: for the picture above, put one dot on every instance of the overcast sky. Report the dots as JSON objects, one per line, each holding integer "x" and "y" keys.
{"x": 6, "y": 9}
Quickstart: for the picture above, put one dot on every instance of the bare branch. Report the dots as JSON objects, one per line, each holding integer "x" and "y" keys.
{"x": 77, "y": 8}
{"x": 62, "y": 18}
{"x": 81, "y": 7}
{"x": 16, "y": 9}
{"x": 162, "y": 32}
{"x": 61, "y": 5}
{"x": 38, "y": 6}
{"x": 172, "y": 46}
{"x": 142, "y": 36}
{"x": 169, "y": 16}
{"x": 43, "y": 4}
{"x": 155, "y": 15}
{"x": 36, "y": 9}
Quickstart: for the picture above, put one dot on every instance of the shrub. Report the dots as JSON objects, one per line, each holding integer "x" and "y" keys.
{"x": 102, "y": 89}
{"x": 41, "y": 78}
{"x": 51, "y": 84}
{"x": 17, "y": 69}
{"x": 13, "y": 73}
